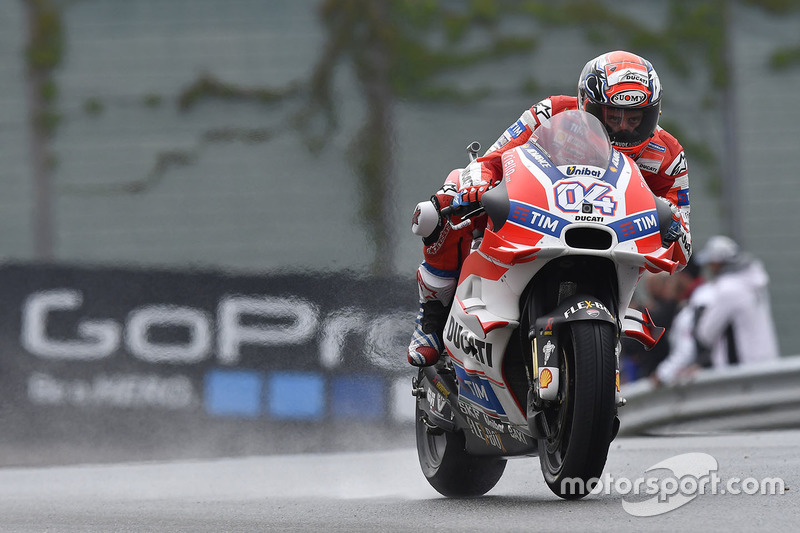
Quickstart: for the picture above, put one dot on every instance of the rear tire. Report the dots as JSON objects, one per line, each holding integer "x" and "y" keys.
{"x": 449, "y": 468}
{"x": 581, "y": 423}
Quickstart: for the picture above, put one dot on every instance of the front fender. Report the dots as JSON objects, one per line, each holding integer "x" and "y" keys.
{"x": 545, "y": 337}
{"x": 571, "y": 309}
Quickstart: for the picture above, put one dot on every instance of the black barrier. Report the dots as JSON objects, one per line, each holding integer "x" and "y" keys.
{"x": 98, "y": 354}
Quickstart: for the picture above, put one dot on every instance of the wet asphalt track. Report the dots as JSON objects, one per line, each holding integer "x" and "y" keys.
{"x": 386, "y": 492}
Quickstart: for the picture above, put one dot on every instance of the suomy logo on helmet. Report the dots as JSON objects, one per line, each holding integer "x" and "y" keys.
{"x": 628, "y": 98}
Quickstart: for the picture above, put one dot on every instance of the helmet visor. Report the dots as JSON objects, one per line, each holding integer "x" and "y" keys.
{"x": 627, "y": 126}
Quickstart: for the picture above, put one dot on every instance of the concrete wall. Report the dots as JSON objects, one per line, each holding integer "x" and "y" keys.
{"x": 270, "y": 205}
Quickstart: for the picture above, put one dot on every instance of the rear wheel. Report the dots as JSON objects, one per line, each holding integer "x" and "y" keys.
{"x": 580, "y": 423}
{"x": 447, "y": 465}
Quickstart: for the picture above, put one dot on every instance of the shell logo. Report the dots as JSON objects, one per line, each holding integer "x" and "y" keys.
{"x": 545, "y": 378}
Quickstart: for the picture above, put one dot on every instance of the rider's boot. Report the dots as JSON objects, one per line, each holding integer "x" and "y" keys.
{"x": 436, "y": 290}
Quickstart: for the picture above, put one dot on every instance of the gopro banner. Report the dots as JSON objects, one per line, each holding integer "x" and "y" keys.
{"x": 114, "y": 343}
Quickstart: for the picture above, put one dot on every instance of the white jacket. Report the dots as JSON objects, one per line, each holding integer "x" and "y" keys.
{"x": 737, "y": 297}
{"x": 741, "y": 299}
{"x": 680, "y": 335}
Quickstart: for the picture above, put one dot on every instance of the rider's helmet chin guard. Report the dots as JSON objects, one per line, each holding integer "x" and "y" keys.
{"x": 618, "y": 82}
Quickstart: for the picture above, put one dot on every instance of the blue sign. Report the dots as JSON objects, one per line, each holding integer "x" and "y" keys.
{"x": 536, "y": 219}
{"x": 636, "y": 226}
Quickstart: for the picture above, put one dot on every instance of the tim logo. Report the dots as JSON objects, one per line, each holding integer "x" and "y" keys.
{"x": 536, "y": 219}
{"x": 516, "y": 129}
{"x": 636, "y": 226}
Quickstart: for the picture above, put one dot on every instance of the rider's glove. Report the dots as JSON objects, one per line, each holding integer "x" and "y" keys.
{"x": 675, "y": 229}
{"x": 469, "y": 195}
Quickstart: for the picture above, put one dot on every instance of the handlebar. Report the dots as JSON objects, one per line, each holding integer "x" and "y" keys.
{"x": 472, "y": 150}
{"x": 466, "y": 218}
{"x": 447, "y": 211}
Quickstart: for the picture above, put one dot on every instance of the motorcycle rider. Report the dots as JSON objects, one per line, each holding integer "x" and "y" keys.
{"x": 623, "y": 91}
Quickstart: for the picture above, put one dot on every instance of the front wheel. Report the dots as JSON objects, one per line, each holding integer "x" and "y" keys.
{"x": 449, "y": 468}
{"x": 581, "y": 422}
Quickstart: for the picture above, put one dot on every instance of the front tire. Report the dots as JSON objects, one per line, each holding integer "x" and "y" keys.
{"x": 449, "y": 468}
{"x": 581, "y": 422}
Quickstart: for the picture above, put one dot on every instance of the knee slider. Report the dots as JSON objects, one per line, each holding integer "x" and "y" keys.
{"x": 435, "y": 287}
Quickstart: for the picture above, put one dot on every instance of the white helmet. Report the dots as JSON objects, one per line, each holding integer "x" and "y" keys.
{"x": 718, "y": 249}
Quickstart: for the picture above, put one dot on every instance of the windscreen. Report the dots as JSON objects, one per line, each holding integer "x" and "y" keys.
{"x": 574, "y": 138}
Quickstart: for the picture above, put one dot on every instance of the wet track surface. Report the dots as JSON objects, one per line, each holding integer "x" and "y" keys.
{"x": 385, "y": 491}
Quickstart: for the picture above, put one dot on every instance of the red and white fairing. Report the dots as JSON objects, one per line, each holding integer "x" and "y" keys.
{"x": 602, "y": 207}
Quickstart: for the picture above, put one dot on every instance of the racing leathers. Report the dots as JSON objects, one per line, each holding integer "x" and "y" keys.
{"x": 662, "y": 163}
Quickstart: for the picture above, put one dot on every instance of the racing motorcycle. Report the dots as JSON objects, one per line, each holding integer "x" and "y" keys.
{"x": 531, "y": 360}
